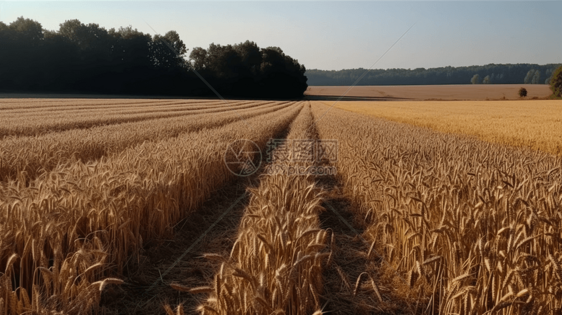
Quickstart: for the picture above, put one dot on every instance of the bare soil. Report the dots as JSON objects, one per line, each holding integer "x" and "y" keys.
{"x": 180, "y": 260}
{"x": 427, "y": 92}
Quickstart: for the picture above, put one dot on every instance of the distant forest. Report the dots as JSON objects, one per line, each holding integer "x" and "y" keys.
{"x": 488, "y": 74}
{"x": 87, "y": 58}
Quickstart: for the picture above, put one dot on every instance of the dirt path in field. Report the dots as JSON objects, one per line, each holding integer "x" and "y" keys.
{"x": 348, "y": 249}
{"x": 352, "y": 257}
{"x": 348, "y": 253}
{"x": 211, "y": 229}
{"x": 353, "y": 260}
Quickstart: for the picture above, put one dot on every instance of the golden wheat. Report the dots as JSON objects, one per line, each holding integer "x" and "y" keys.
{"x": 109, "y": 105}
{"x": 43, "y": 122}
{"x": 22, "y": 103}
{"x": 473, "y": 227}
{"x": 275, "y": 266}
{"x": 42, "y": 116}
{"x": 527, "y": 124}
{"x": 70, "y": 225}
{"x": 469, "y": 226}
{"x": 24, "y": 158}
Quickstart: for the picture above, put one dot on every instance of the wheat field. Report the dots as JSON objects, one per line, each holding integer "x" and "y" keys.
{"x": 449, "y": 210}
{"x": 471, "y": 227}
{"x": 275, "y": 265}
{"x": 535, "y": 124}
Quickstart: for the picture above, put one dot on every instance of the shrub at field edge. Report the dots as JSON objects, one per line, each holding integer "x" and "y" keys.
{"x": 522, "y": 92}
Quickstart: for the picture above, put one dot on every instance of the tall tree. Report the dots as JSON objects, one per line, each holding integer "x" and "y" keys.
{"x": 88, "y": 58}
{"x": 20, "y": 43}
{"x": 245, "y": 69}
{"x": 168, "y": 51}
{"x": 502, "y": 74}
{"x": 536, "y": 77}
{"x": 250, "y": 57}
{"x": 84, "y": 36}
{"x": 198, "y": 58}
{"x": 529, "y": 77}
{"x": 556, "y": 82}
{"x": 27, "y": 30}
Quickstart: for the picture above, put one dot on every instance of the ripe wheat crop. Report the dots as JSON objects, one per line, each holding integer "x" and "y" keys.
{"x": 467, "y": 226}
{"x": 87, "y": 109}
{"x": 37, "y": 123}
{"x": 68, "y": 228}
{"x": 25, "y": 158}
{"x": 75, "y": 105}
{"x": 275, "y": 265}
{"x": 472, "y": 227}
{"x": 23, "y": 103}
{"x": 45, "y": 116}
{"x": 528, "y": 124}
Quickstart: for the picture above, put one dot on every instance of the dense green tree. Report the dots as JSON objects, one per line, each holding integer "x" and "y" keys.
{"x": 536, "y": 77}
{"x": 475, "y": 79}
{"x": 282, "y": 72}
{"x": 27, "y": 30}
{"x": 198, "y": 57}
{"x": 20, "y": 53}
{"x": 82, "y": 57}
{"x": 84, "y": 36}
{"x": 223, "y": 61}
{"x": 168, "y": 51}
{"x": 556, "y": 82}
{"x": 500, "y": 74}
{"x": 250, "y": 55}
{"x": 245, "y": 69}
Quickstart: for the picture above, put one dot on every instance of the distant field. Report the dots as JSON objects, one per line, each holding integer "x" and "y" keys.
{"x": 534, "y": 124}
{"x": 428, "y": 92}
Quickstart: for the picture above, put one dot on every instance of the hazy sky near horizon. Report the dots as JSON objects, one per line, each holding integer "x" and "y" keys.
{"x": 333, "y": 35}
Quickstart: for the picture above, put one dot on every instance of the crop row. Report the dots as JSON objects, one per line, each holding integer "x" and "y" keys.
{"x": 37, "y": 124}
{"x": 275, "y": 266}
{"x": 61, "y": 235}
{"x": 93, "y": 110}
{"x": 7, "y": 104}
{"x": 24, "y": 158}
{"x": 471, "y": 227}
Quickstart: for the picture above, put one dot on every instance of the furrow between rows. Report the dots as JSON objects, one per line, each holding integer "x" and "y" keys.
{"x": 275, "y": 264}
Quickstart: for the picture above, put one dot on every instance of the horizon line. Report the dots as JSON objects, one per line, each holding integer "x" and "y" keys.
{"x": 410, "y": 69}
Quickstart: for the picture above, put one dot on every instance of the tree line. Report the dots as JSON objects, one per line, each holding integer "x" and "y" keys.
{"x": 488, "y": 74}
{"x": 87, "y": 58}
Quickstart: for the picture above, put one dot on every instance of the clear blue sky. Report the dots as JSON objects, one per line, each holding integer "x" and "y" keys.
{"x": 336, "y": 35}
